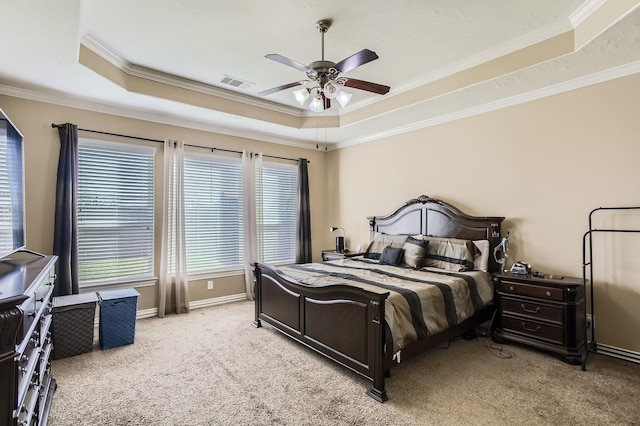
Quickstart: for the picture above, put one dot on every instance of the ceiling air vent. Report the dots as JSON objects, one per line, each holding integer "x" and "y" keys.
{"x": 236, "y": 82}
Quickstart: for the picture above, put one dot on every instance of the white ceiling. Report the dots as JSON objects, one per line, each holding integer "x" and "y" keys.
{"x": 425, "y": 49}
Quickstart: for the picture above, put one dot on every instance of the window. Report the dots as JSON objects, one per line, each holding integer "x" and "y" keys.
{"x": 279, "y": 203}
{"x": 213, "y": 212}
{"x": 12, "y": 234}
{"x": 115, "y": 211}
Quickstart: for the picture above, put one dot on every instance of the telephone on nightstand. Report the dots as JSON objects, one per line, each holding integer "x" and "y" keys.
{"x": 520, "y": 268}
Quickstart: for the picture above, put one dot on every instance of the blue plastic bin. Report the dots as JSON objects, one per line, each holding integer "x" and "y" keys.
{"x": 117, "y": 317}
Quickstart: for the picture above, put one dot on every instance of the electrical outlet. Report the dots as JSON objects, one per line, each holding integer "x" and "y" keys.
{"x": 209, "y": 285}
{"x": 591, "y": 320}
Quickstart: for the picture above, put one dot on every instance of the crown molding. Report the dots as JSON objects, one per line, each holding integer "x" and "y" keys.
{"x": 148, "y": 115}
{"x": 159, "y": 117}
{"x": 584, "y": 11}
{"x": 567, "y": 86}
{"x": 184, "y": 83}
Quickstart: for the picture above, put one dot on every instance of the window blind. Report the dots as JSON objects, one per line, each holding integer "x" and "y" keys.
{"x": 213, "y": 212}
{"x": 6, "y": 230}
{"x": 115, "y": 211}
{"x": 279, "y": 202}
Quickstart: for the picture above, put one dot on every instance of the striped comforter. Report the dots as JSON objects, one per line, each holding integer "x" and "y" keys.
{"x": 421, "y": 303}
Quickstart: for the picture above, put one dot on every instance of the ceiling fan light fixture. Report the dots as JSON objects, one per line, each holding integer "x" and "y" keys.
{"x": 317, "y": 104}
{"x": 343, "y": 98}
{"x": 331, "y": 90}
{"x": 301, "y": 95}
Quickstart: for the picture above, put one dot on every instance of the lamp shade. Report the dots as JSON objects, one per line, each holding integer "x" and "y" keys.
{"x": 301, "y": 95}
{"x": 317, "y": 103}
{"x": 344, "y": 98}
{"x": 331, "y": 90}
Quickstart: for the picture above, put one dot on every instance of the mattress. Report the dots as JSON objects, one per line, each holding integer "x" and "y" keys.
{"x": 421, "y": 302}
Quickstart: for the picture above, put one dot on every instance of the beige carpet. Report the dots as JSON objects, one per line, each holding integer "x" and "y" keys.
{"x": 211, "y": 367}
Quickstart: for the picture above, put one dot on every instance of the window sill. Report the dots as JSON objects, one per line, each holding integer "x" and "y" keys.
{"x": 115, "y": 285}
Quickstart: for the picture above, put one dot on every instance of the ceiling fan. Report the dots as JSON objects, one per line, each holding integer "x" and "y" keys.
{"x": 324, "y": 77}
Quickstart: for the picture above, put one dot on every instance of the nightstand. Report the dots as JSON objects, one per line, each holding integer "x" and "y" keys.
{"x": 545, "y": 313}
{"x": 335, "y": 255}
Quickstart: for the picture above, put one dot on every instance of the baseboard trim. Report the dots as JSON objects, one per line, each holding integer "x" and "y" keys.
{"x": 205, "y": 303}
{"x": 612, "y": 351}
{"x": 196, "y": 304}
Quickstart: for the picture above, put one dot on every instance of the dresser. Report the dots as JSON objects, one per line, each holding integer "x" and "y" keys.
{"x": 547, "y": 313}
{"x": 26, "y": 385}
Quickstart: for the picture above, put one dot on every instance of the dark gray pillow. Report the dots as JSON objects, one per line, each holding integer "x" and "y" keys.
{"x": 391, "y": 256}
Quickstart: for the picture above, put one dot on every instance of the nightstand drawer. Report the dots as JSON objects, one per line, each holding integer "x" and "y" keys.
{"x": 532, "y": 309}
{"x": 533, "y": 329}
{"x": 538, "y": 291}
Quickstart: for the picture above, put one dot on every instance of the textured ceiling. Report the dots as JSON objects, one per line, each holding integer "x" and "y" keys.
{"x": 163, "y": 60}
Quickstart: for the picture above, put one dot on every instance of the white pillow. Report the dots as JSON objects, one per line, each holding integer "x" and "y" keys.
{"x": 481, "y": 263}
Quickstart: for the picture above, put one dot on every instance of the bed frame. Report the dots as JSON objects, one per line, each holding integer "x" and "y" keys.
{"x": 346, "y": 324}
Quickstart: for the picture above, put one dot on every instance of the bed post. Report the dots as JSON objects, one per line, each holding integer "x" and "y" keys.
{"x": 257, "y": 280}
{"x": 376, "y": 309}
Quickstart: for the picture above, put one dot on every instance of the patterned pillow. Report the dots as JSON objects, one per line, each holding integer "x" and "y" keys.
{"x": 380, "y": 241}
{"x": 414, "y": 251}
{"x": 450, "y": 254}
{"x": 391, "y": 256}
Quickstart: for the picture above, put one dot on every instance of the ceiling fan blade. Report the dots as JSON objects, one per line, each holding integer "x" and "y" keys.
{"x": 279, "y": 88}
{"x": 367, "y": 86}
{"x": 355, "y": 60}
{"x": 287, "y": 61}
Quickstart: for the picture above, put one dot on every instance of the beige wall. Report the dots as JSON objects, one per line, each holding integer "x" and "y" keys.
{"x": 41, "y": 158}
{"x": 544, "y": 165}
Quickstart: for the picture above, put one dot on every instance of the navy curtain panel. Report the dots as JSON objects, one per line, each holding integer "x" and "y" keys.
{"x": 65, "y": 232}
{"x": 303, "y": 227}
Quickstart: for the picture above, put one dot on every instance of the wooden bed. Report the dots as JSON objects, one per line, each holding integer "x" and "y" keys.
{"x": 346, "y": 324}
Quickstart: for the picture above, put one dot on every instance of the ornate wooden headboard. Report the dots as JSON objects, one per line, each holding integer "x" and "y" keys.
{"x": 429, "y": 216}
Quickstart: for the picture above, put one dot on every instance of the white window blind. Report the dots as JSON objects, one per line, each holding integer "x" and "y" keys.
{"x": 6, "y": 230}
{"x": 12, "y": 218}
{"x": 279, "y": 201}
{"x": 213, "y": 212}
{"x": 115, "y": 211}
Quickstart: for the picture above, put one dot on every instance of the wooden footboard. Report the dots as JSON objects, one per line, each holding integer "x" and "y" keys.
{"x": 342, "y": 323}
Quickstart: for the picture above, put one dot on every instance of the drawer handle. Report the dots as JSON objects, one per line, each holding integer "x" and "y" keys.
{"x": 531, "y": 311}
{"x": 511, "y": 288}
{"x": 535, "y": 330}
{"x": 549, "y": 294}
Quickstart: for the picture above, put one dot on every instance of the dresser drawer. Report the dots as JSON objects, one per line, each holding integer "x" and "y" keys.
{"x": 537, "y": 291}
{"x": 532, "y": 309}
{"x": 534, "y": 329}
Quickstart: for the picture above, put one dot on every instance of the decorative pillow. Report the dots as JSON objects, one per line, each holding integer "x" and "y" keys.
{"x": 380, "y": 241}
{"x": 414, "y": 251}
{"x": 391, "y": 256}
{"x": 481, "y": 262}
{"x": 451, "y": 254}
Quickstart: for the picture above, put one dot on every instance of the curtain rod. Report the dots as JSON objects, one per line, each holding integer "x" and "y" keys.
{"x": 53, "y": 125}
